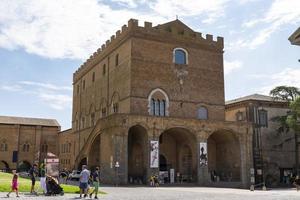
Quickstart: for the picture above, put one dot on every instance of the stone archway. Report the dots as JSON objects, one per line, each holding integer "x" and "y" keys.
{"x": 24, "y": 166}
{"x": 94, "y": 153}
{"x": 224, "y": 156}
{"x": 4, "y": 165}
{"x": 178, "y": 146}
{"x": 137, "y": 155}
{"x": 83, "y": 161}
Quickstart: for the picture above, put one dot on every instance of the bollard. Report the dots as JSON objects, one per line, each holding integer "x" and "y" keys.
{"x": 252, "y": 188}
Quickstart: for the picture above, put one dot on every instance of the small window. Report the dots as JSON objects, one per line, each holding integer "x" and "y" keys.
{"x": 117, "y": 60}
{"x": 82, "y": 122}
{"x": 180, "y": 57}
{"x": 103, "y": 111}
{"x": 239, "y": 116}
{"x": 104, "y": 69}
{"x": 115, "y": 107}
{"x": 83, "y": 84}
{"x": 263, "y": 118}
{"x": 202, "y": 113}
{"x": 3, "y": 146}
{"x": 78, "y": 89}
{"x": 93, "y": 77}
{"x": 93, "y": 119}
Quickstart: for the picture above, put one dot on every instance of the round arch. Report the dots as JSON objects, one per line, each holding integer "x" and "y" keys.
{"x": 94, "y": 152}
{"x": 24, "y": 166}
{"x": 224, "y": 155}
{"x": 137, "y": 153}
{"x": 179, "y": 147}
{"x": 4, "y": 165}
{"x": 83, "y": 161}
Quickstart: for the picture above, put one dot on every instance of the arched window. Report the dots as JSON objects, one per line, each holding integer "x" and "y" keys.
{"x": 93, "y": 119}
{"x": 3, "y": 146}
{"x": 26, "y": 147}
{"x": 158, "y": 103}
{"x": 180, "y": 56}
{"x": 202, "y": 113}
{"x": 44, "y": 148}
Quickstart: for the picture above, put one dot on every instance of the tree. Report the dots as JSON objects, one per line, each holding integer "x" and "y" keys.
{"x": 287, "y": 93}
{"x": 291, "y": 120}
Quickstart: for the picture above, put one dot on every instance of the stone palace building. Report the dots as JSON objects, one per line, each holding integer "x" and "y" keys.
{"x": 151, "y": 102}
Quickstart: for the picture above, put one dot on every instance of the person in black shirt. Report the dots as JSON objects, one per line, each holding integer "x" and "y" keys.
{"x": 96, "y": 182}
{"x": 33, "y": 174}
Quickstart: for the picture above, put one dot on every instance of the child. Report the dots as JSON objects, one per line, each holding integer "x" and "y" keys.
{"x": 14, "y": 185}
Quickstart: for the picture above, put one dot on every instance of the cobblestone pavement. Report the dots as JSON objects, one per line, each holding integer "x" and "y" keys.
{"x": 177, "y": 193}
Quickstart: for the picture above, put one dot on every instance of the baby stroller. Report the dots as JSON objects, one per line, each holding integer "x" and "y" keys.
{"x": 53, "y": 188}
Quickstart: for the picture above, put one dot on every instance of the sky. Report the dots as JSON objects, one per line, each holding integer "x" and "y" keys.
{"x": 42, "y": 42}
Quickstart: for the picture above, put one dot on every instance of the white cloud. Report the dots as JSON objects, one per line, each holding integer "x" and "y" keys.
{"x": 76, "y": 28}
{"x": 211, "y": 10}
{"x": 280, "y": 13}
{"x": 60, "y": 28}
{"x": 11, "y": 88}
{"x": 230, "y": 66}
{"x": 55, "y": 96}
{"x": 288, "y": 77}
{"x": 56, "y": 101}
{"x": 45, "y": 85}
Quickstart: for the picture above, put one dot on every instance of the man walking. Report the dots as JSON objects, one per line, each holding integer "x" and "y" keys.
{"x": 96, "y": 182}
{"x": 83, "y": 181}
{"x": 33, "y": 173}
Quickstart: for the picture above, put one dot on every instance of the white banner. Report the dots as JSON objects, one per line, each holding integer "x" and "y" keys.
{"x": 203, "y": 154}
{"x": 154, "y": 154}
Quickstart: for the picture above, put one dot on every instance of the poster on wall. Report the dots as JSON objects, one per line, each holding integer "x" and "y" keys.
{"x": 154, "y": 154}
{"x": 203, "y": 154}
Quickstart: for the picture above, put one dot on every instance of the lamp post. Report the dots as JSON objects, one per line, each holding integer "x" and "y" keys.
{"x": 117, "y": 165}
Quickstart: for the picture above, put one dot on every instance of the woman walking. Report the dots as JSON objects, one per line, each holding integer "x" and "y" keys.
{"x": 14, "y": 185}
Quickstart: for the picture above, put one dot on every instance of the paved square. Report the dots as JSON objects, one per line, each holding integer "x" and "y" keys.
{"x": 178, "y": 193}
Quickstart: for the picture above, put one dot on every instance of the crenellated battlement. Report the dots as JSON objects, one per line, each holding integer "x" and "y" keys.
{"x": 175, "y": 29}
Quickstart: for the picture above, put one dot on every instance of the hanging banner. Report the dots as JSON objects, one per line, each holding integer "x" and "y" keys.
{"x": 154, "y": 154}
{"x": 203, "y": 154}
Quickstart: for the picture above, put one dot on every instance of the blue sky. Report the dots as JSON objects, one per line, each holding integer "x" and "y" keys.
{"x": 42, "y": 42}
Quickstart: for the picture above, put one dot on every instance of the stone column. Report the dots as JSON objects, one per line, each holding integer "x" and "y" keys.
{"x": 245, "y": 144}
{"x": 202, "y": 170}
{"x": 120, "y": 156}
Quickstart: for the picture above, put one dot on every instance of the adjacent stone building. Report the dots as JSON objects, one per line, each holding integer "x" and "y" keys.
{"x": 273, "y": 150}
{"x": 151, "y": 102}
{"x": 24, "y": 141}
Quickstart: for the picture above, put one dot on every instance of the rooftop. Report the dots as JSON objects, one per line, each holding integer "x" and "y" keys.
{"x": 255, "y": 97}
{"x": 28, "y": 121}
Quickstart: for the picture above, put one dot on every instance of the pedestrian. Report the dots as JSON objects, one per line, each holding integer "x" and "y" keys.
{"x": 297, "y": 183}
{"x": 15, "y": 184}
{"x": 43, "y": 178}
{"x": 151, "y": 180}
{"x": 96, "y": 182}
{"x": 33, "y": 173}
{"x": 83, "y": 181}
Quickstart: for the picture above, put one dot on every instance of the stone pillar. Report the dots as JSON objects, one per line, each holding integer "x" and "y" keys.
{"x": 202, "y": 170}
{"x": 246, "y": 164}
{"x": 120, "y": 157}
